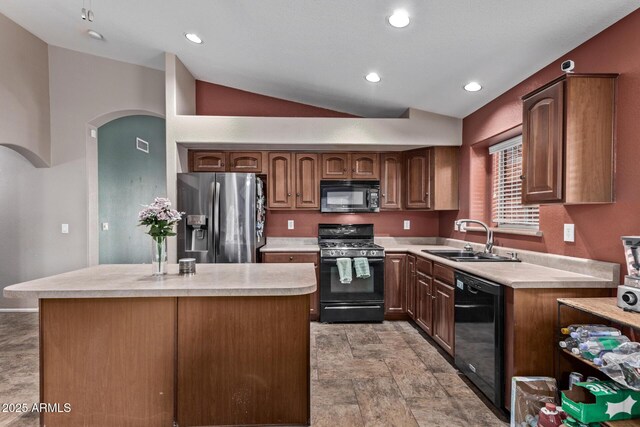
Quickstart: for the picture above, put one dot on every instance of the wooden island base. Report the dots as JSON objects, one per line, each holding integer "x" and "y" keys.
{"x": 198, "y": 361}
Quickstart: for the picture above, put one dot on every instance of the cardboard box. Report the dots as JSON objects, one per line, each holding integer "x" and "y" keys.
{"x": 599, "y": 401}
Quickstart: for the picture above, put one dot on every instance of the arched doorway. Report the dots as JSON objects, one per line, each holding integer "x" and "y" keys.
{"x": 131, "y": 166}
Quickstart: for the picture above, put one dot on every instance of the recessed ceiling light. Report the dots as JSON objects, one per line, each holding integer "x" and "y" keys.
{"x": 193, "y": 38}
{"x": 472, "y": 87}
{"x": 95, "y": 35}
{"x": 372, "y": 77}
{"x": 399, "y": 19}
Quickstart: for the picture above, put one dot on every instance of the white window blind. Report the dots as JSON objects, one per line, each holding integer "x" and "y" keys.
{"x": 507, "y": 209}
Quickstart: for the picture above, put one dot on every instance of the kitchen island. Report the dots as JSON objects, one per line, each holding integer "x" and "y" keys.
{"x": 227, "y": 346}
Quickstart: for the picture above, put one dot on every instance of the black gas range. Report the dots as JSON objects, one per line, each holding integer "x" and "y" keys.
{"x": 362, "y": 298}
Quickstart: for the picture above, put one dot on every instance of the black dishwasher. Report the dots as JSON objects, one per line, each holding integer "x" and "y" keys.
{"x": 479, "y": 320}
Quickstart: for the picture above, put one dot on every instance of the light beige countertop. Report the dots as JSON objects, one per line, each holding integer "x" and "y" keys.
{"x": 513, "y": 274}
{"x": 291, "y": 244}
{"x": 538, "y": 270}
{"x": 135, "y": 280}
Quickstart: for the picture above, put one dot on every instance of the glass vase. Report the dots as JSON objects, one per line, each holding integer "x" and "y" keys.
{"x": 159, "y": 255}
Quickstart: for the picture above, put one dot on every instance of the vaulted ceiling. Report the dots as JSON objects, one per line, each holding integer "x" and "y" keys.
{"x": 318, "y": 51}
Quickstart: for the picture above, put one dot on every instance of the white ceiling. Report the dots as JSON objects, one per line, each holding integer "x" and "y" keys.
{"x": 318, "y": 51}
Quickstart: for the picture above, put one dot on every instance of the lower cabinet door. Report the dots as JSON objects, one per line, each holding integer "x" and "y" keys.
{"x": 411, "y": 286}
{"x": 394, "y": 285}
{"x": 300, "y": 257}
{"x": 443, "y": 316}
{"x": 424, "y": 303}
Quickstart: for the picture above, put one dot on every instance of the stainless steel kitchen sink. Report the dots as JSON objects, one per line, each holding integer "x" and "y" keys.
{"x": 466, "y": 256}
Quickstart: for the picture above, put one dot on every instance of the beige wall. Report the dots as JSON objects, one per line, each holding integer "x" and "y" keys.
{"x": 24, "y": 93}
{"x": 86, "y": 92}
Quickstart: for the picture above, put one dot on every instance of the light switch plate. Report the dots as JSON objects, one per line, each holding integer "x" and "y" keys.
{"x": 569, "y": 233}
{"x": 290, "y": 225}
{"x": 407, "y": 224}
{"x": 64, "y": 229}
{"x": 105, "y": 226}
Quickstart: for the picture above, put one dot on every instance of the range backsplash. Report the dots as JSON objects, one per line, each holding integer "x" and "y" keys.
{"x": 390, "y": 223}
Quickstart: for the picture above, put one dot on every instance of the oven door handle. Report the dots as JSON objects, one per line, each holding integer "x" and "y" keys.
{"x": 334, "y": 261}
{"x": 351, "y": 307}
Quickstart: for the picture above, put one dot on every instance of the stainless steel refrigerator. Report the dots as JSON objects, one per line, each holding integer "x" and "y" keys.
{"x": 224, "y": 214}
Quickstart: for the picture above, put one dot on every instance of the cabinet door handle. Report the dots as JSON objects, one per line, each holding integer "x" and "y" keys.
{"x": 297, "y": 194}
{"x": 288, "y": 194}
{"x": 344, "y": 170}
{"x": 384, "y": 195}
{"x": 522, "y": 177}
{"x": 290, "y": 258}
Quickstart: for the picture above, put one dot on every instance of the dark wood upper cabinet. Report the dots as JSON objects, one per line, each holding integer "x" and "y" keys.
{"x": 417, "y": 182}
{"x": 335, "y": 166}
{"x": 444, "y": 178}
{"x": 307, "y": 181}
{"x": 542, "y": 130}
{"x": 247, "y": 161}
{"x": 431, "y": 178}
{"x": 207, "y": 161}
{"x": 391, "y": 181}
{"x": 280, "y": 181}
{"x": 365, "y": 166}
{"x": 395, "y": 299}
{"x": 567, "y": 140}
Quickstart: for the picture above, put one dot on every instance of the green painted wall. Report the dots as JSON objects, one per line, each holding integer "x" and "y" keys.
{"x": 128, "y": 178}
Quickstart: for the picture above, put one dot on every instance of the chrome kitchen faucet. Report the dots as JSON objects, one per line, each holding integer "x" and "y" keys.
{"x": 489, "y": 245}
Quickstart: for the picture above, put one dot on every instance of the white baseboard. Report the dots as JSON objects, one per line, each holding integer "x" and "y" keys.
{"x": 18, "y": 310}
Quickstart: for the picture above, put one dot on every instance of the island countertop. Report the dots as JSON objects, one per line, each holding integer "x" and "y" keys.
{"x": 135, "y": 280}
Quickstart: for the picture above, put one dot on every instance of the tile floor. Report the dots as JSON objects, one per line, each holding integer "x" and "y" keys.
{"x": 362, "y": 375}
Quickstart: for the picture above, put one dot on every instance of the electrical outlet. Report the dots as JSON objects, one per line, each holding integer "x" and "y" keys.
{"x": 64, "y": 229}
{"x": 569, "y": 233}
{"x": 290, "y": 225}
{"x": 105, "y": 226}
{"x": 407, "y": 224}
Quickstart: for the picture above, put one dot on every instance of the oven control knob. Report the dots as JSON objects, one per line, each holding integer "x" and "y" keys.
{"x": 363, "y": 253}
{"x": 373, "y": 253}
{"x": 343, "y": 253}
{"x": 332, "y": 253}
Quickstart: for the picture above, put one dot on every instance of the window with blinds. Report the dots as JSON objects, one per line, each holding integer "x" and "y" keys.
{"x": 507, "y": 209}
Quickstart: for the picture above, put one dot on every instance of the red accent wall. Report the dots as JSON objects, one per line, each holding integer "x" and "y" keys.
{"x": 598, "y": 227}
{"x": 214, "y": 99}
{"x": 423, "y": 224}
{"x": 217, "y": 100}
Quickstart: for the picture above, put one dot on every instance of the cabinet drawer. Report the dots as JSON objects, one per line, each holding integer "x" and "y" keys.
{"x": 294, "y": 257}
{"x": 424, "y": 266}
{"x": 443, "y": 273}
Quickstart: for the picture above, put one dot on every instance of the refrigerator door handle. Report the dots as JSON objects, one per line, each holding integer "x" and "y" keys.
{"x": 216, "y": 220}
{"x": 210, "y": 225}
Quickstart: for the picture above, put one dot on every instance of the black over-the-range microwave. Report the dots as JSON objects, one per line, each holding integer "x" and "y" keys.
{"x": 350, "y": 196}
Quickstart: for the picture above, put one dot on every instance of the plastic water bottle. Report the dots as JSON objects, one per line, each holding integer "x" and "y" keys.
{"x": 619, "y": 354}
{"x": 531, "y": 421}
{"x": 574, "y": 328}
{"x": 595, "y": 331}
{"x": 569, "y": 343}
{"x": 596, "y": 346}
{"x": 627, "y": 348}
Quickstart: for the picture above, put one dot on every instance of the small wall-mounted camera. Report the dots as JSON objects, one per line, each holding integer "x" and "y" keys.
{"x": 568, "y": 66}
